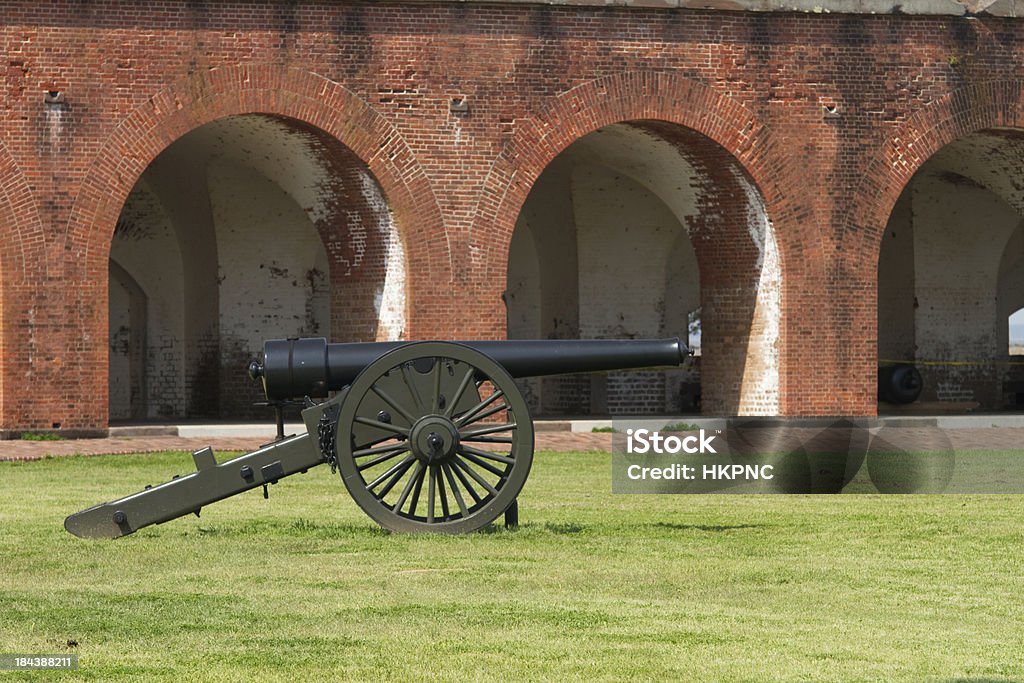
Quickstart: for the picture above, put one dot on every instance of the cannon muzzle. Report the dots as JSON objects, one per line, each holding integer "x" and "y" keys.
{"x": 293, "y": 368}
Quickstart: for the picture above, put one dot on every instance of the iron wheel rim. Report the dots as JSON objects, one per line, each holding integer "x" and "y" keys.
{"x": 462, "y": 490}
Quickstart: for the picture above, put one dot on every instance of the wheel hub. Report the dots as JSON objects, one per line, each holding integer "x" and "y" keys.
{"x": 434, "y": 439}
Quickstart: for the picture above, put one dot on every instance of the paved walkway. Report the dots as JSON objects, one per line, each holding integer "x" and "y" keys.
{"x": 1001, "y": 438}
{"x": 36, "y": 450}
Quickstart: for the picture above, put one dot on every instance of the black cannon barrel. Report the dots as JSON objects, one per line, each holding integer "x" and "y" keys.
{"x": 292, "y": 368}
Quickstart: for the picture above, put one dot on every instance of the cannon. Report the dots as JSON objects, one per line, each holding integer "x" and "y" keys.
{"x": 428, "y": 436}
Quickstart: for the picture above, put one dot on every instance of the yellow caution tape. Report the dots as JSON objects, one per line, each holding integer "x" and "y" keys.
{"x": 952, "y": 362}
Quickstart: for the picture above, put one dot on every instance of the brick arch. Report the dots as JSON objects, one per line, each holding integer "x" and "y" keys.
{"x": 677, "y": 100}
{"x": 634, "y": 96}
{"x": 223, "y": 92}
{"x": 20, "y": 224}
{"x": 23, "y": 265}
{"x": 215, "y": 94}
{"x": 966, "y": 110}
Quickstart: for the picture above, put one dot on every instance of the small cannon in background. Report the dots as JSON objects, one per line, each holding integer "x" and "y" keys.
{"x": 428, "y": 436}
{"x": 899, "y": 383}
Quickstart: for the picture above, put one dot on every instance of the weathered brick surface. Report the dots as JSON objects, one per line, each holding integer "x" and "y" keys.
{"x": 380, "y": 77}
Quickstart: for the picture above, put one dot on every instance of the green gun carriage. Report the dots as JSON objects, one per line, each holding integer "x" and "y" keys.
{"x": 428, "y": 436}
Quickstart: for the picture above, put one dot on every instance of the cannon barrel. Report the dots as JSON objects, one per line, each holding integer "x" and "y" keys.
{"x": 293, "y": 368}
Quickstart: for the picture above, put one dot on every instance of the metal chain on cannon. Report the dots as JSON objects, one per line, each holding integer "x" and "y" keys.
{"x": 326, "y": 431}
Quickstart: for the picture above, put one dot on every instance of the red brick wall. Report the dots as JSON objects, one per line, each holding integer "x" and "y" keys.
{"x": 379, "y": 78}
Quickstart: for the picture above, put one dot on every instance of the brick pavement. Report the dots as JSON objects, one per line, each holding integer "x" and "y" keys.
{"x": 965, "y": 439}
{"x": 36, "y": 450}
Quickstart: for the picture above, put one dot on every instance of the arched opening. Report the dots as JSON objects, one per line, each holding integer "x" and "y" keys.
{"x": 129, "y": 321}
{"x": 1015, "y": 331}
{"x": 951, "y": 273}
{"x": 246, "y": 228}
{"x": 647, "y": 229}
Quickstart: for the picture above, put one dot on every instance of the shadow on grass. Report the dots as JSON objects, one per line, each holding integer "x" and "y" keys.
{"x": 496, "y": 528}
{"x": 706, "y": 527}
{"x": 571, "y": 528}
{"x": 307, "y": 528}
{"x": 564, "y": 528}
{"x": 560, "y": 529}
{"x": 298, "y": 528}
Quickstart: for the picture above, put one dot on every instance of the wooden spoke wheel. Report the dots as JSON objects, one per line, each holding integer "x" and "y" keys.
{"x": 434, "y": 436}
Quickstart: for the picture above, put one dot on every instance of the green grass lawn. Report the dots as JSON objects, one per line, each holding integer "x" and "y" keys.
{"x": 593, "y": 586}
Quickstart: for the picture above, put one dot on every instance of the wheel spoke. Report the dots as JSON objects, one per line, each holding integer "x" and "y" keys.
{"x": 363, "y": 452}
{"x": 459, "y": 392}
{"x": 430, "y": 494}
{"x": 490, "y": 439}
{"x": 485, "y": 414}
{"x": 408, "y": 487}
{"x": 410, "y": 384}
{"x": 436, "y": 397}
{"x": 466, "y": 484}
{"x": 394, "y": 429}
{"x": 467, "y": 453}
{"x": 395, "y": 479}
{"x": 375, "y": 442}
{"x": 416, "y": 491}
{"x": 381, "y": 458}
{"x": 476, "y": 476}
{"x": 472, "y": 415}
{"x": 395, "y": 405}
{"x": 390, "y": 472}
{"x": 455, "y": 489}
{"x": 487, "y": 454}
{"x": 444, "y": 497}
{"x": 494, "y": 429}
